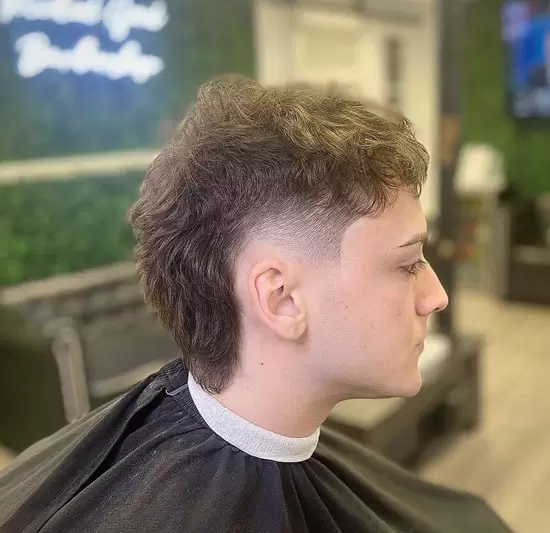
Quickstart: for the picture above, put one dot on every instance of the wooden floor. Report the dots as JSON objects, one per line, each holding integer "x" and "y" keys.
{"x": 507, "y": 460}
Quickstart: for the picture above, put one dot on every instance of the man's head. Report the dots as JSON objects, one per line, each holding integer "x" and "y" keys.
{"x": 287, "y": 222}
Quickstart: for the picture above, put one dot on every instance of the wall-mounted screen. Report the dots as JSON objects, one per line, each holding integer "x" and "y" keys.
{"x": 526, "y": 33}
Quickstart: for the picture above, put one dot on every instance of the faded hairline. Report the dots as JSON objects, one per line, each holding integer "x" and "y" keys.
{"x": 307, "y": 238}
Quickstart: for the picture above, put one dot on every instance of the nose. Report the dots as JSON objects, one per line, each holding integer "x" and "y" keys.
{"x": 432, "y": 297}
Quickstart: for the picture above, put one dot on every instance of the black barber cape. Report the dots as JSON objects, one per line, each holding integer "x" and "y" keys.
{"x": 149, "y": 463}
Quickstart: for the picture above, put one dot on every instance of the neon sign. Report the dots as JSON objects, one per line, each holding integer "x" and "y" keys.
{"x": 37, "y": 53}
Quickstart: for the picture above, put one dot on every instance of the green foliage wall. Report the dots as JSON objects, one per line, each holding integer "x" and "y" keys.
{"x": 59, "y": 227}
{"x": 526, "y": 146}
{"x": 65, "y": 226}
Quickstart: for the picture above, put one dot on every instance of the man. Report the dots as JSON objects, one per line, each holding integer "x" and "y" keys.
{"x": 280, "y": 241}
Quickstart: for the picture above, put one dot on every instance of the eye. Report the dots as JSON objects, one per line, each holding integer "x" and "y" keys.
{"x": 416, "y": 267}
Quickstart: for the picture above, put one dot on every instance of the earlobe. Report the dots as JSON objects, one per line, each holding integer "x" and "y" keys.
{"x": 299, "y": 325}
{"x": 291, "y": 326}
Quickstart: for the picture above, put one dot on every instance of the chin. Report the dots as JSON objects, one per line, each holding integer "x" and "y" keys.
{"x": 413, "y": 386}
{"x": 408, "y": 388}
{"x": 413, "y": 390}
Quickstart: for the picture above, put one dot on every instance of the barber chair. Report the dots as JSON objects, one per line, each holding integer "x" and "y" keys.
{"x": 92, "y": 342}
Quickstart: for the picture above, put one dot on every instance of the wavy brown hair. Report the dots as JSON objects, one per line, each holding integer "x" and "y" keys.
{"x": 283, "y": 163}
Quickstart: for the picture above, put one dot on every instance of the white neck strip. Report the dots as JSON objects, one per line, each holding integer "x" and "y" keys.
{"x": 249, "y": 437}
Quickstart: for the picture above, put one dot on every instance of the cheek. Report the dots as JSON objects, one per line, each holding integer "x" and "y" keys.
{"x": 401, "y": 302}
{"x": 356, "y": 309}
{"x": 385, "y": 326}
{"x": 384, "y": 297}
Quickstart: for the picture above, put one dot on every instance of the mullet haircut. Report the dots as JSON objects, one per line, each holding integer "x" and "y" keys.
{"x": 255, "y": 161}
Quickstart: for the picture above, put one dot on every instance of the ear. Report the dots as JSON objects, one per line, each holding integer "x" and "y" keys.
{"x": 277, "y": 299}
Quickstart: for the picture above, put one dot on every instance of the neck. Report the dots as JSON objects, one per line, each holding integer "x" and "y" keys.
{"x": 273, "y": 393}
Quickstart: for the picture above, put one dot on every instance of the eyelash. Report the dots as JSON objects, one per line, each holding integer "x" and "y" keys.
{"x": 416, "y": 267}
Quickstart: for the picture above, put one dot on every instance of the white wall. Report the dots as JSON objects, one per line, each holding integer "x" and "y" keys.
{"x": 319, "y": 45}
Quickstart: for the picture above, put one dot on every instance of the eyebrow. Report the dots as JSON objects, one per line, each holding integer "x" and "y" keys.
{"x": 418, "y": 238}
